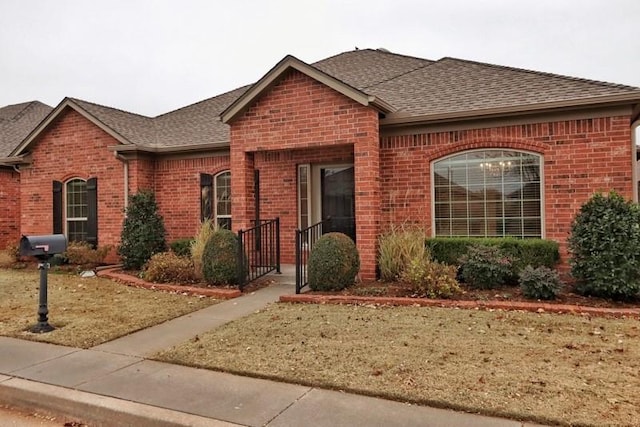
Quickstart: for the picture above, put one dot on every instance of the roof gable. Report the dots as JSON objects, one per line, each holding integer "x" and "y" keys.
{"x": 292, "y": 63}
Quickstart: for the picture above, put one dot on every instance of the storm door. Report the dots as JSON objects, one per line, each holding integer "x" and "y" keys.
{"x": 337, "y": 189}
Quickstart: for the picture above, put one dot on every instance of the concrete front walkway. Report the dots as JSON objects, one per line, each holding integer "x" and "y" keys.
{"x": 114, "y": 385}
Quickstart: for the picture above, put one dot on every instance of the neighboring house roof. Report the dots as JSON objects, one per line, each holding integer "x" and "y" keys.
{"x": 405, "y": 88}
{"x": 17, "y": 121}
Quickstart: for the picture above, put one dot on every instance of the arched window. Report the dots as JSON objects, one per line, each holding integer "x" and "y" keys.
{"x": 223, "y": 199}
{"x": 215, "y": 198}
{"x": 76, "y": 210}
{"x": 488, "y": 193}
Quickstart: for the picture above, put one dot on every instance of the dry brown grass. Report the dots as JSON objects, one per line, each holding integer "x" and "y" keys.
{"x": 85, "y": 312}
{"x": 549, "y": 368}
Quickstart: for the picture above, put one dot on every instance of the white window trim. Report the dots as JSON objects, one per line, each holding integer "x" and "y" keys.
{"x": 215, "y": 197}
{"x": 310, "y": 215}
{"x": 65, "y": 206}
{"x": 543, "y": 222}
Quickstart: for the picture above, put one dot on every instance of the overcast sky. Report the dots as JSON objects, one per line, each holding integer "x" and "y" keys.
{"x": 151, "y": 57}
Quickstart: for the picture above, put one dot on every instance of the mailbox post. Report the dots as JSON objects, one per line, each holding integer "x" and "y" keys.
{"x": 43, "y": 247}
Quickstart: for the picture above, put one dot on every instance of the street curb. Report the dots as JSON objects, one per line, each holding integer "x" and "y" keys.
{"x": 498, "y": 305}
{"x": 189, "y": 290}
{"x": 95, "y": 410}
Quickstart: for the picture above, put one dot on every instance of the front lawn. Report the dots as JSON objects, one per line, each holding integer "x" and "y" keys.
{"x": 548, "y": 368}
{"x": 85, "y": 312}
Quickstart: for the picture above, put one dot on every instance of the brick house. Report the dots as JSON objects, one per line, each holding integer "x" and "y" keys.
{"x": 367, "y": 137}
{"x": 16, "y": 121}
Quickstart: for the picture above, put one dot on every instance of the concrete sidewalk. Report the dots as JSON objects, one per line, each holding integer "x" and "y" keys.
{"x": 114, "y": 385}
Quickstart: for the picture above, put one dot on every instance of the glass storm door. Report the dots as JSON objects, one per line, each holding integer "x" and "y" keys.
{"x": 337, "y": 188}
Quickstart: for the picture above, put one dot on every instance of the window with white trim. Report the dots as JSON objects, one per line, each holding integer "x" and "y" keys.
{"x": 222, "y": 190}
{"x": 76, "y": 210}
{"x": 488, "y": 193}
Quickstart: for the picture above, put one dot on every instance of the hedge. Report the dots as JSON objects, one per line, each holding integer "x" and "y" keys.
{"x": 534, "y": 252}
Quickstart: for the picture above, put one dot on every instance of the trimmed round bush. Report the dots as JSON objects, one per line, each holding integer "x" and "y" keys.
{"x": 605, "y": 247}
{"x": 168, "y": 267}
{"x": 486, "y": 267}
{"x": 334, "y": 263}
{"x": 540, "y": 283}
{"x": 220, "y": 258}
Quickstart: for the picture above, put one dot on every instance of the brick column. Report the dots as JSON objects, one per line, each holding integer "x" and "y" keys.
{"x": 366, "y": 153}
{"x": 242, "y": 198}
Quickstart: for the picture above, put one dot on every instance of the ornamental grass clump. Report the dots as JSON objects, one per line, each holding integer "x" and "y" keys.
{"x": 207, "y": 228}
{"x": 334, "y": 263}
{"x": 540, "y": 283}
{"x": 605, "y": 247}
{"x": 397, "y": 248}
{"x": 486, "y": 267}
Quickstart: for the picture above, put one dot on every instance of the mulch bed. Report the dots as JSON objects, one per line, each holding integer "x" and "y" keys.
{"x": 505, "y": 298}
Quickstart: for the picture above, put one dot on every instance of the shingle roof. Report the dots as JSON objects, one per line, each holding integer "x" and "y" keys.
{"x": 17, "y": 121}
{"x": 366, "y": 67}
{"x": 453, "y": 86}
{"x": 191, "y": 125}
{"x": 414, "y": 87}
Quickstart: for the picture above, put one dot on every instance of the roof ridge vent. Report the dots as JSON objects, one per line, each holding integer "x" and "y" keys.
{"x": 382, "y": 49}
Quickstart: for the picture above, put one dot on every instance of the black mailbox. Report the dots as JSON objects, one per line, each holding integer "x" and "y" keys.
{"x": 43, "y": 246}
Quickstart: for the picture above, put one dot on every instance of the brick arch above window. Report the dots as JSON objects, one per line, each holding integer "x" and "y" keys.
{"x": 487, "y": 144}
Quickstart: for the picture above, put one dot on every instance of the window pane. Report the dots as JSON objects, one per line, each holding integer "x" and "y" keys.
{"x": 223, "y": 196}
{"x": 490, "y": 192}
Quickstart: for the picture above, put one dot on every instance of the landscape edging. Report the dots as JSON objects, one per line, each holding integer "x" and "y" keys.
{"x": 115, "y": 274}
{"x": 498, "y": 305}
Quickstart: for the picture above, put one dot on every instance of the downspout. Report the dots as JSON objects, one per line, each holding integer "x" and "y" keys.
{"x": 634, "y": 161}
{"x": 125, "y": 167}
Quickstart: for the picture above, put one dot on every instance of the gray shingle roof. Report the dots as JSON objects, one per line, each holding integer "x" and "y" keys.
{"x": 366, "y": 67}
{"x": 454, "y": 86}
{"x": 17, "y": 121}
{"x": 192, "y": 125}
{"x": 413, "y": 86}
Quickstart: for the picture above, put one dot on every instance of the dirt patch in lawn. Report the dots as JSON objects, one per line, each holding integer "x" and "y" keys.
{"x": 85, "y": 312}
{"x": 564, "y": 369}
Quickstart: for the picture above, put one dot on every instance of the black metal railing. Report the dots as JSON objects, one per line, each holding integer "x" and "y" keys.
{"x": 259, "y": 250}
{"x": 305, "y": 239}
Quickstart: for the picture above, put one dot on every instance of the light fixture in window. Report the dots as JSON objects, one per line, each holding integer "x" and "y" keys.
{"x": 496, "y": 169}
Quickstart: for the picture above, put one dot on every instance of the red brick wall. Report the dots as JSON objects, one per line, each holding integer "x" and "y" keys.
{"x": 73, "y": 147}
{"x": 9, "y": 207}
{"x": 278, "y": 187}
{"x": 298, "y": 112}
{"x": 580, "y": 158}
{"x": 177, "y": 187}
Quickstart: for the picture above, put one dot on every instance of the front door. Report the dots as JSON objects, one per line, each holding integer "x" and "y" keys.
{"x": 337, "y": 189}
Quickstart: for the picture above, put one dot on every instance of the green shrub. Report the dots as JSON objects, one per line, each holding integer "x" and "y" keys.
{"x": 397, "y": 248}
{"x": 207, "y": 228}
{"x": 523, "y": 252}
{"x": 168, "y": 267}
{"x": 143, "y": 232}
{"x": 605, "y": 247}
{"x": 540, "y": 283}
{"x": 83, "y": 254}
{"x": 220, "y": 258}
{"x": 182, "y": 247}
{"x": 431, "y": 279}
{"x": 486, "y": 267}
{"x": 334, "y": 263}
